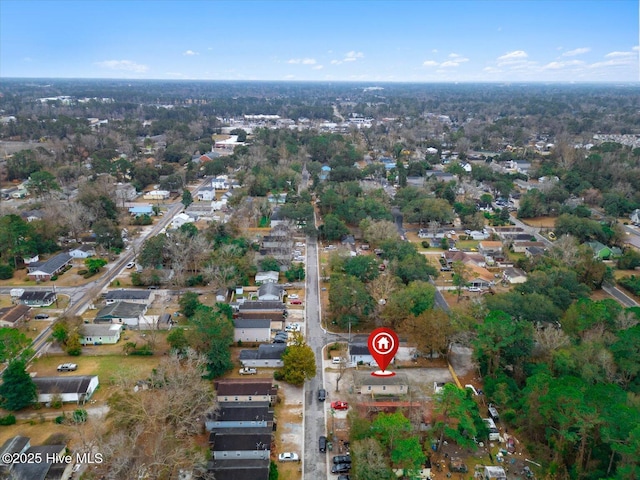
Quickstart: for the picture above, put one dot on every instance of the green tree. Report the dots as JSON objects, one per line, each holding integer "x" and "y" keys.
{"x": 152, "y": 253}
{"x": 17, "y": 390}
{"x": 333, "y": 228}
{"x": 273, "y": 470}
{"x": 187, "y": 199}
{"x": 60, "y": 332}
{"x": 370, "y": 461}
{"x": 269, "y": 264}
{"x": 95, "y": 264}
{"x": 415, "y": 299}
{"x": 408, "y": 455}
{"x": 212, "y": 335}
{"x": 458, "y": 418}
{"x": 390, "y": 427}
{"x": 299, "y": 363}
{"x": 177, "y": 340}
{"x": 12, "y": 342}
{"x": 295, "y": 273}
{"x": 189, "y": 303}
{"x": 74, "y": 347}
{"x": 349, "y": 301}
{"x": 41, "y": 184}
{"x": 363, "y": 267}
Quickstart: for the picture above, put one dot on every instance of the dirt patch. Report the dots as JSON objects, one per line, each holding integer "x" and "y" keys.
{"x": 540, "y": 222}
{"x": 289, "y": 437}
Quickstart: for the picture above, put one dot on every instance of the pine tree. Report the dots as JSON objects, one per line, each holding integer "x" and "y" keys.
{"x": 17, "y": 390}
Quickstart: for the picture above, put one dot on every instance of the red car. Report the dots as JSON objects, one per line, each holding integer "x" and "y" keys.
{"x": 339, "y": 405}
{"x": 296, "y": 302}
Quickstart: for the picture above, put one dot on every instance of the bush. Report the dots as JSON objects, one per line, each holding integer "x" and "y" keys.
{"x": 80, "y": 415}
{"x": 425, "y": 244}
{"x": 8, "y": 420}
{"x": 6, "y": 271}
{"x": 60, "y": 419}
{"x": 83, "y": 272}
{"x": 278, "y": 375}
{"x": 54, "y": 278}
{"x": 145, "y": 350}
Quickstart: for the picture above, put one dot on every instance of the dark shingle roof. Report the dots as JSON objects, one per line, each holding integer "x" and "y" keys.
{"x": 241, "y": 441}
{"x": 37, "y": 295}
{"x": 120, "y": 310}
{"x": 128, "y": 295}
{"x": 15, "y": 444}
{"x": 71, "y": 384}
{"x": 252, "y": 323}
{"x": 269, "y": 289}
{"x": 266, "y": 305}
{"x": 52, "y": 265}
{"x": 359, "y": 349}
{"x": 244, "y": 387}
{"x": 13, "y": 314}
{"x": 230, "y": 412}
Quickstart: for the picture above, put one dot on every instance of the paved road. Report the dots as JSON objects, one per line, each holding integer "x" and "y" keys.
{"x": 315, "y": 463}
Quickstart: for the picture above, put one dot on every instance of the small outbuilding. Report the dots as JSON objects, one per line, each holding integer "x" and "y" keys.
{"x": 77, "y": 389}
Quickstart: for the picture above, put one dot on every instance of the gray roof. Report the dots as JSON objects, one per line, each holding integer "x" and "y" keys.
{"x": 271, "y": 351}
{"x": 247, "y": 323}
{"x": 266, "y": 305}
{"x": 238, "y": 386}
{"x": 240, "y": 469}
{"x": 15, "y": 444}
{"x": 121, "y": 310}
{"x": 94, "y": 330}
{"x": 71, "y": 384}
{"x": 37, "y": 295}
{"x": 269, "y": 289}
{"x": 52, "y": 265}
{"x": 230, "y": 412}
{"x": 359, "y": 349}
{"x": 365, "y": 378}
{"x": 240, "y": 441}
{"x": 128, "y": 295}
{"x": 39, "y": 470}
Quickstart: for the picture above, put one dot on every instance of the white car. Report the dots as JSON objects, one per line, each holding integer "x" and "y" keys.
{"x": 474, "y": 289}
{"x": 131, "y": 264}
{"x": 288, "y": 457}
{"x": 294, "y": 327}
{"x": 247, "y": 371}
{"x": 293, "y": 296}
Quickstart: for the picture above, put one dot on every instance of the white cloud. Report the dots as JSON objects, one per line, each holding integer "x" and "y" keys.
{"x": 430, "y": 63}
{"x": 636, "y": 48}
{"x": 335, "y": 62}
{"x": 302, "y": 61}
{"x": 352, "y": 56}
{"x": 516, "y": 55}
{"x": 190, "y": 53}
{"x": 123, "y": 65}
{"x": 561, "y": 65}
{"x": 576, "y": 51}
{"x": 455, "y": 61}
{"x": 317, "y": 67}
{"x": 619, "y": 54}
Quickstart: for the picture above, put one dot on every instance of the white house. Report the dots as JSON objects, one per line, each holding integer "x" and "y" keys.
{"x": 220, "y": 183}
{"x": 206, "y": 194}
{"x": 94, "y": 334}
{"x": 635, "y": 216}
{"x": 267, "y": 355}
{"x": 83, "y": 251}
{"x": 76, "y": 389}
{"x": 359, "y": 354}
{"x": 267, "y": 277}
{"x": 514, "y": 275}
{"x": 258, "y": 330}
{"x": 157, "y": 195}
{"x": 181, "y": 219}
{"x": 241, "y": 390}
{"x": 143, "y": 297}
{"x": 269, "y": 292}
{"x": 126, "y": 313}
{"x": 367, "y": 384}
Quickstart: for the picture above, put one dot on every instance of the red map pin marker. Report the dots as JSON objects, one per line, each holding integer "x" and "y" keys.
{"x": 383, "y": 344}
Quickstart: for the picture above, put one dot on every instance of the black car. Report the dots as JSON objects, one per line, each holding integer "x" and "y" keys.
{"x": 322, "y": 395}
{"x": 341, "y": 468}
{"x": 343, "y": 477}
{"x": 279, "y": 340}
{"x": 341, "y": 459}
{"x": 322, "y": 442}
{"x": 41, "y": 316}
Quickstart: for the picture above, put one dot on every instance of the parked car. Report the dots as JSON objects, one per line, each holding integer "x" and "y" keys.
{"x": 279, "y": 340}
{"x": 41, "y": 316}
{"x": 336, "y": 360}
{"x": 292, "y": 327}
{"x": 511, "y": 445}
{"x": 322, "y": 395}
{"x": 247, "y": 371}
{"x": 322, "y": 443}
{"x": 288, "y": 457}
{"x": 296, "y": 302}
{"x": 293, "y": 296}
{"x": 343, "y": 477}
{"x": 341, "y": 459}
{"x": 339, "y": 405}
{"x": 341, "y": 468}
{"x": 474, "y": 289}
{"x": 67, "y": 367}
{"x": 131, "y": 264}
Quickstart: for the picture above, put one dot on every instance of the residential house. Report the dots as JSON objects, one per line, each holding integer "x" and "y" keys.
{"x": 367, "y": 384}
{"x": 206, "y": 194}
{"x": 359, "y": 354}
{"x": 514, "y": 275}
{"x": 266, "y": 355}
{"x": 43, "y": 271}
{"x": 76, "y": 389}
{"x": 600, "y": 250}
{"x": 143, "y": 297}
{"x": 181, "y": 219}
{"x": 251, "y": 330}
{"x": 47, "y": 469}
{"x": 12, "y": 446}
{"x": 251, "y": 444}
{"x": 14, "y": 316}
{"x": 245, "y": 390}
{"x": 138, "y": 210}
{"x": 635, "y": 217}
{"x": 37, "y": 298}
{"x": 238, "y": 415}
{"x": 270, "y": 292}
{"x": 122, "y": 312}
{"x": 534, "y": 251}
{"x": 490, "y": 248}
{"x": 94, "y": 334}
{"x": 220, "y": 183}
{"x": 32, "y": 215}
{"x": 493, "y": 473}
{"x": 232, "y": 469}
{"x": 266, "y": 277}
{"x": 83, "y": 251}
{"x": 522, "y": 246}
{"x": 157, "y": 195}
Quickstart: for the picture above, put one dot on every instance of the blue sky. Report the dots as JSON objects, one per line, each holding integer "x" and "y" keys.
{"x": 367, "y": 40}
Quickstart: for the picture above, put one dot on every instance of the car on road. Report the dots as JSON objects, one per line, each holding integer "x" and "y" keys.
{"x": 131, "y": 265}
{"x": 288, "y": 457}
{"x": 322, "y": 443}
{"x": 41, "y": 316}
{"x": 67, "y": 367}
{"x": 340, "y": 405}
{"x": 322, "y": 395}
{"x": 247, "y": 371}
{"x": 341, "y": 468}
{"x": 341, "y": 459}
